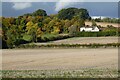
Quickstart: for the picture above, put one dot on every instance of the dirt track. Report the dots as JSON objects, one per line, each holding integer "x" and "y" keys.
{"x": 47, "y": 59}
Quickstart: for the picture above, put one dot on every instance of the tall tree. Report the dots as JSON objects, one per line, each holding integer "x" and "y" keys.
{"x": 32, "y": 30}
{"x": 69, "y": 13}
{"x": 39, "y": 12}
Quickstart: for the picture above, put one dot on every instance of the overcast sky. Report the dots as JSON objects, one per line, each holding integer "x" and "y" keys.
{"x": 13, "y": 9}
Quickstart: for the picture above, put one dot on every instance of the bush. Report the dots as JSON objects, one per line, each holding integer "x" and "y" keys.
{"x": 52, "y": 37}
{"x": 27, "y": 38}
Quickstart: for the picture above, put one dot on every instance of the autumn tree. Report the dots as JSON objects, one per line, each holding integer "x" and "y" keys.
{"x": 33, "y": 30}
{"x": 13, "y": 36}
{"x": 73, "y": 29}
{"x": 78, "y": 22}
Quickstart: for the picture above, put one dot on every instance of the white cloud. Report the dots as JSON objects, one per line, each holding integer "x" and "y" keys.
{"x": 21, "y": 5}
{"x": 65, "y": 3}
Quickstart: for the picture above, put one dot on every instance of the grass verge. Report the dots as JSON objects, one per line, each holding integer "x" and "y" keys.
{"x": 110, "y": 45}
{"x": 86, "y": 73}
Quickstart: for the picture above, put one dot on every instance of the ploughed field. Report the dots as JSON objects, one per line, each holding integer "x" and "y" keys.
{"x": 51, "y": 59}
{"x": 83, "y": 40}
{"x": 60, "y": 63}
{"x": 63, "y": 63}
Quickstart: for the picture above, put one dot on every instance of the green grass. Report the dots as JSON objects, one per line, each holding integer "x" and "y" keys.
{"x": 85, "y": 73}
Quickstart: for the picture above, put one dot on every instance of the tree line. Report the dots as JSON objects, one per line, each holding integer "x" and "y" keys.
{"x": 108, "y": 20}
{"x": 32, "y": 27}
{"x": 41, "y": 27}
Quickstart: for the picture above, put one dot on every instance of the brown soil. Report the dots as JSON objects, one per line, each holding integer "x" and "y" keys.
{"x": 47, "y": 59}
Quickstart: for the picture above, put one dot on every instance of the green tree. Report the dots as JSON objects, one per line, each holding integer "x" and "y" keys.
{"x": 39, "y": 12}
{"x": 69, "y": 13}
{"x": 13, "y": 36}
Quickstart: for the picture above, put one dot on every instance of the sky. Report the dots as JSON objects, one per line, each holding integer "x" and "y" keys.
{"x": 14, "y": 9}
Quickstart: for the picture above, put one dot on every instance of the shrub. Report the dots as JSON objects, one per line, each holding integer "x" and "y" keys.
{"x": 27, "y": 38}
{"x": 52, "y": 37}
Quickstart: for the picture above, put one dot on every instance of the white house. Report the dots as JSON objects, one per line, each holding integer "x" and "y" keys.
{"x": 97, "y": 17}
{"x": 89, "y": 29}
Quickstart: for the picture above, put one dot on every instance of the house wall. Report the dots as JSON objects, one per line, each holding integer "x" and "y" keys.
{"x": 96, "y": 30}
{"x": 89, "y": 29}
{"x": 82, "y": 29}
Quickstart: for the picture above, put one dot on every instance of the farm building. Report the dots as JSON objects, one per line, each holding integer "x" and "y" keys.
{"x": 90, "y": 29}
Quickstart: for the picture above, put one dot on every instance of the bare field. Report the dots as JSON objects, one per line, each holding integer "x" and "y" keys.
{"x": 104, "y": 24}
{"x": 84, "y": 40}
{"x": 61, "y": 59}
